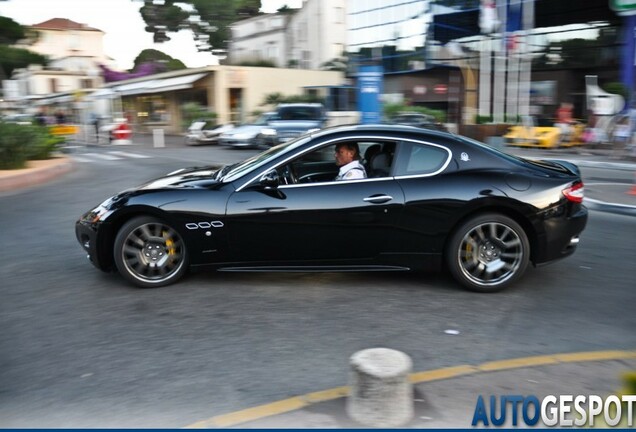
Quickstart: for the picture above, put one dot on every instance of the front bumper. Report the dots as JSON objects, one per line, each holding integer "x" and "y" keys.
{"x": 236, "y": 142}
{"x": 86, "y": 234}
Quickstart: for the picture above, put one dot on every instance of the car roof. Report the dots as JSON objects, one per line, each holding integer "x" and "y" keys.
{"x": 304, "y": 104}
{"x": 381, "y": 127}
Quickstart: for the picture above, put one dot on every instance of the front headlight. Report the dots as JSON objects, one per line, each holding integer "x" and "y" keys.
{"x": 268, "y": 132}
{"x": 95, "y": 215}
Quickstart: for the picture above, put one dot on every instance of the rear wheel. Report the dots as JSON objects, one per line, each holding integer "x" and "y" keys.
{"x": 150, "y": 253}
{"x": 488, "y": 252}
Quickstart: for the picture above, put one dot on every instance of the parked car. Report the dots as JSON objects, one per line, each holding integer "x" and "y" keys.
{"x": 246, "y": 135}
{"x": 418, "y": 120}
{"x": 292, "y": 120}
{"x": 528, "y": 134}
{"x": 205, "y": 132}
{"x": 430, "y": 198}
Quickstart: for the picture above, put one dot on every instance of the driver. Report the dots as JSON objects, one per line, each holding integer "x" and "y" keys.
{"x": 348, "y": 159}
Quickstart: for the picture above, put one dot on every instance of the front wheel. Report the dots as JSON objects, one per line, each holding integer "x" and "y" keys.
{"x": 488, "y": 252}
{"x": 149, "y": 253}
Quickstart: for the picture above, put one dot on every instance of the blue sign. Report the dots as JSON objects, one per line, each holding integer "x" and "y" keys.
{"x": 369, "y": 90}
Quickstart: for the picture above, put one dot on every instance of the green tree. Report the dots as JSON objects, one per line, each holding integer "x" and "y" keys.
{"x": 14, "y": 58}
{"x": 155, "y": 56}
{"x": 209, "y": 20}
{"x": 10, "y": 31}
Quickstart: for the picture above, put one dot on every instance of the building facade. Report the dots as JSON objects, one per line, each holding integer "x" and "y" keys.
{"x": 393, "y": 32}
{"x": 75, "y": 50}
{"x": 261, "y": 38}
{"x": 234, "y": 93}
{"x": 305, "y": 38}
{"x": 317, "y": 33}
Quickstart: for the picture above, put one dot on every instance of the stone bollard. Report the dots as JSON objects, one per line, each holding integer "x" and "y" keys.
{"x": 381, "y": 394}
{"x": 158, "y": 138}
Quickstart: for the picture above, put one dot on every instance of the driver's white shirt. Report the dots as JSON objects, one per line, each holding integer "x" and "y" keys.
{"x": 352, "y": 170}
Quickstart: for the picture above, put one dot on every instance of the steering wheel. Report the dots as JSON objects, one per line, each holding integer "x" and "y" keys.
{"x": 290, "y": 174}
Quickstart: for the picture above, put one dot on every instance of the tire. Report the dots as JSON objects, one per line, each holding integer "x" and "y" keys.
{"x": 488, "y": 253}
{"x": 150, "y": 253}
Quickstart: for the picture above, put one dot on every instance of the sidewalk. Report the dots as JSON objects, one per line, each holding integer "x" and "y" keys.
{"x": 446, "y": 398}
{"x": 36, "y": 172}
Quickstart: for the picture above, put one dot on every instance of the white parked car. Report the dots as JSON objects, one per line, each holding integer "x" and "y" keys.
{"x": 205, "y": 132}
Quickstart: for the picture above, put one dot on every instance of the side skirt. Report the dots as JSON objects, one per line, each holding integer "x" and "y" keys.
{"x": 312, "y": 269}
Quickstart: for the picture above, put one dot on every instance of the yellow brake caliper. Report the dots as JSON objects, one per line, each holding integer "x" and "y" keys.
{"x": 469, "y": 252}
{"x": 169, "y": 243}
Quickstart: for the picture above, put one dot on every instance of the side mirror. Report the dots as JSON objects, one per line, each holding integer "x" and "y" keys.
{"x": 270, "y": 179}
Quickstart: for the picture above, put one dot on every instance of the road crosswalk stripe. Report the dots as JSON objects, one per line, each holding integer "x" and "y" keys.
{"x": 130, "y": 155}
{"x": 81, "y": 159}
{"x": 104, "y": 156}
{"x": 110, "y": 156}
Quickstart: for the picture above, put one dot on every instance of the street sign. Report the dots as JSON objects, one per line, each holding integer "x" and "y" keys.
{"x": 419, "y": 90}
{"x": 623, "y": 7}
{"x": 370, "y": 80}
{"x": 440, "y": 89}
{"x": 63, "y": 130}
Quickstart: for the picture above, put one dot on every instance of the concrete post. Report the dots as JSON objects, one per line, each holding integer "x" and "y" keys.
{"x": 158, "y": 138}
{"x": 381, "y": 393}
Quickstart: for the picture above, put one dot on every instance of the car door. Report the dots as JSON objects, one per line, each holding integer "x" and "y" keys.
{"x": 321, "y": 223}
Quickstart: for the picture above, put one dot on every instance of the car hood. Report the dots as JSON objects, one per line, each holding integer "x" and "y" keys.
{"x": 252, "y": 130}
{"x": 194, "y": 177}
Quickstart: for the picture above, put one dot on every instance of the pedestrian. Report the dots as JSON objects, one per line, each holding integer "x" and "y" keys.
{"x": 621, "y": 137}
{"x": 94, "y": 120}
{"x": 564, "y": 121}
{"x": 60, "y": 118}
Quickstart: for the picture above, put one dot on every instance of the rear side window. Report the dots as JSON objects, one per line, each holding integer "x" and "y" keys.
{"x": 420, "y": 159}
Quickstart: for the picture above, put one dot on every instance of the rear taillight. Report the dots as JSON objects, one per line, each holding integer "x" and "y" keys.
{"x": 575, "y": 192}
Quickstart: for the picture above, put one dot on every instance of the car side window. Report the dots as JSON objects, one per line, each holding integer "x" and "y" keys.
{"x": 420, "y": 159}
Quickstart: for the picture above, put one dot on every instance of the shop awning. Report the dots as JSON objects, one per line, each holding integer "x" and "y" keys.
{"x": 176, "y": 83}
{"x": 139, "y": 87}
{"x": 103, "y": 93}
{"x": 158, "y": 85}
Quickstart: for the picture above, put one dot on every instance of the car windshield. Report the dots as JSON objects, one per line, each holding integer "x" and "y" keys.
{"x": 232, "y": 172}
{"x": 263, "y": 119}
{"x": 299, "y": 113}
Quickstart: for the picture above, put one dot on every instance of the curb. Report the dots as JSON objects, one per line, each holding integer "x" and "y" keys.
{"x": 37, "y": 172}
{"x": 615, "y": 208}
{"x": 299, "y": 402}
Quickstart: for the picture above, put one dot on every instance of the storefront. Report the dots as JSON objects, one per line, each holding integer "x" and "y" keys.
{"x": 232, "y": 93}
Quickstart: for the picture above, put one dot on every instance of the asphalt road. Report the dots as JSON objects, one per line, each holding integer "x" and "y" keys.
{"x": 80, "y": 348}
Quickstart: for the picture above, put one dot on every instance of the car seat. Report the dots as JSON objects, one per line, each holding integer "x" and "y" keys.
{"x": 369, "y": 153}
{"x": 380, "y": 165}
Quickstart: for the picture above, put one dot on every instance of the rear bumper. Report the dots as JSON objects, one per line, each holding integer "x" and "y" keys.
{"x": 561, "y": 236}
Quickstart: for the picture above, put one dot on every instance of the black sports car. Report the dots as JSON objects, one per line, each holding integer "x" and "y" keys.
{"x": 430, "y": 198}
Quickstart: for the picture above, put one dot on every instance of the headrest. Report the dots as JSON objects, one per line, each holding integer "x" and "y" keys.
{"x": 379, "y": 161}
{"x": 371, "y": 151}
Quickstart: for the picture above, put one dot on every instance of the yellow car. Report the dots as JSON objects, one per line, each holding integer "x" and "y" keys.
{"x": 544, "y": 136}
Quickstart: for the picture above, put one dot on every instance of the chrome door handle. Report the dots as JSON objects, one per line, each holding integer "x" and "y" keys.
{"x": 378, "y": 199}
